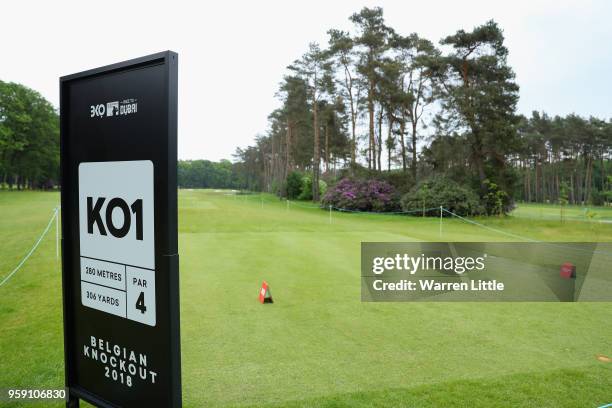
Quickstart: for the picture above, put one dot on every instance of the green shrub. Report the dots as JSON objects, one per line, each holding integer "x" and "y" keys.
{"x": 294, "y": 184}
{"x": 401, "y": 180}
{"x": 322, "y": 188}
{"x": 441, "y": 191}
{"x": 598, "y": 197}
{"x": 496, "y": 201}
{"x": 306, "y": 190}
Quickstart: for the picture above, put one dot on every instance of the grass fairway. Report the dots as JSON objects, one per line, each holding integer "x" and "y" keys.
{"x": 318, "y": 345}
{"x": 570, "y": 213}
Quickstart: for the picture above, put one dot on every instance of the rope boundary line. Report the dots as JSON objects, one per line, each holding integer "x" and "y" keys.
{"x": 442, "y": 209}
{"x": 489, "y": 228}
{"x": 452, "y": 214}
{"x": 23, "y": 261}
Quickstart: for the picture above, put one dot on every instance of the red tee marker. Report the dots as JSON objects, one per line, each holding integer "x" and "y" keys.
{"x": 264, "y": 293}
{"x": 568, "y": 270}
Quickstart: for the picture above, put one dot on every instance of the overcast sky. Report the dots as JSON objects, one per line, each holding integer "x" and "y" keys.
{"x": 232, "y": 55}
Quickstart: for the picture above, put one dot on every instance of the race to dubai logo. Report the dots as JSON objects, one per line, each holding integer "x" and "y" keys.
{"x": 124, "y": 107}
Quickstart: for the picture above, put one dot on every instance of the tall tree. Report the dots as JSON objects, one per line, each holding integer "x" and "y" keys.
{"x": 480, "y": 96}
{"x": 315, "y": 69}
{"x": 295, "y": 116}
{"x": 341, "y": 48}
{"x": 416, "y": 57}
{"x": 29, "y": 138}
{"x": 372, "y": 40}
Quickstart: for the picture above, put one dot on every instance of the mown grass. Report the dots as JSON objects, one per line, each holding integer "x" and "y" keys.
{"x": 568, "y": 212}
{"x": 318, "y": 345}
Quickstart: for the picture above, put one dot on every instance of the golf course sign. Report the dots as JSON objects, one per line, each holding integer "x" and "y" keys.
{"x": 119, "y": 234}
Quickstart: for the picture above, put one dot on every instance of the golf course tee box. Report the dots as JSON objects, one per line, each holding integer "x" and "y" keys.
{"x": 376, "y": 204}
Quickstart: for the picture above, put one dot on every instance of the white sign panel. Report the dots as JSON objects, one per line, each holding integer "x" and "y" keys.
{"x": 116, "y": 230}
{"x": 140, "y": 287}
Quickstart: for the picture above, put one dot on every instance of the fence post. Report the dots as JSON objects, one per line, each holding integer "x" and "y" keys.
{"x": 440, "y": 221}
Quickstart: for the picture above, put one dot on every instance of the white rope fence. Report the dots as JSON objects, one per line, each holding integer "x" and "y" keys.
{"x": 441, "y": 209}
{"x": 552, "y": 244}
{"x": 54, "y": 217}
{"x": 487, "y": 227}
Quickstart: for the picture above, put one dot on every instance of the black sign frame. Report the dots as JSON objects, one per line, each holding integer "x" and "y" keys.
{"x": 159, "y": 146}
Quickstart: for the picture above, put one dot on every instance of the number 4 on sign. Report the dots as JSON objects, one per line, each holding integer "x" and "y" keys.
{"x": 140, "y": 303}
{"x": 264, "y": 293}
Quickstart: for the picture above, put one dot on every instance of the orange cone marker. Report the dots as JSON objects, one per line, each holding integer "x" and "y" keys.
{"x": 264, "y": 294}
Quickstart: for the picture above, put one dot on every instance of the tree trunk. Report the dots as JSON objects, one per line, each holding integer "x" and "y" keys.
{"x": 477, "y": 142}
{"x": 379, "y": 147}
{"x": 538, "y": 180}
{"x": 589, "y": 179}
{"x": 354, "y": 144}
{"x": 572, "y": 194}
{"x": 478, "y": 158}
{"x": 372, "y": 153}
{"x": 527, "y": 182}
{"x": 316, "y": 155}
{"x": 348, "y": 83}
{"x": 402, "y": 129}
{"x": 572, "y": 175}
{"x": 414, "y": 152}
{"x": 585, "y": 181}
{"x": 353, "y": 132}
{"x": 389, "y": 141}
{"x": 603, "y": 173}
{"x": 481, "y": 173}
{"x": 326, "y": 148}
{"x": 288, "y": 161}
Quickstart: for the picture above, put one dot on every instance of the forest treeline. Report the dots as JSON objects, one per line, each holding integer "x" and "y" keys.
{"x": 374, "y": 103}
{"x": 564, "y": 159}
{"x": 208, "y": 174}
{"x": 29, "y": 139}
{"x": 399, "y": 118}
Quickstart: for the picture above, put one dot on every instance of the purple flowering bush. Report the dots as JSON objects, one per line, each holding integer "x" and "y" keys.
{"x": 362, "y": 195}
